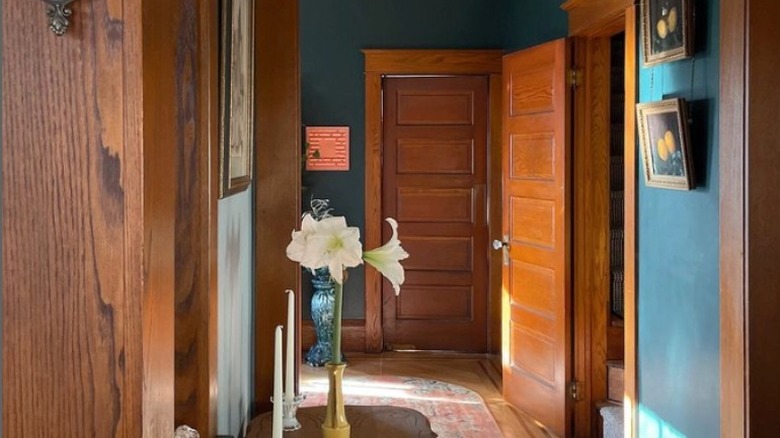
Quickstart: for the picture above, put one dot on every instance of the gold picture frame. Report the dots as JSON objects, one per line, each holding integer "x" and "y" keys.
{"x": 665, "y": 144}
{"x": 237, "y": 111}
{"x": 667, "y": 31}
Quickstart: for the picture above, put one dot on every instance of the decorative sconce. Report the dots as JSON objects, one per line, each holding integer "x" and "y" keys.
{"x": 58, "y": 12}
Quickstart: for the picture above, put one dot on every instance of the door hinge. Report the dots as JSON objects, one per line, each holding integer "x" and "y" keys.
{"x": 574, "y": 77}
{"x": 576, "y": 390}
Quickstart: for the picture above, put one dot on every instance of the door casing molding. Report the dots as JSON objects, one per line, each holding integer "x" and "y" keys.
{"x": 380, "y": 63}
{"x": 591, "y": 21}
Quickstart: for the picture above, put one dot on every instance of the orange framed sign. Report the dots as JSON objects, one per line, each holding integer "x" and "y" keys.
{"x": 327, "y": 148}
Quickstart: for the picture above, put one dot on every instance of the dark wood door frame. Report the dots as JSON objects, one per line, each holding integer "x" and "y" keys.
{"x": 593, "y": 22}
{"x": 749, "y": 157}
{"x": 380, "y": 63}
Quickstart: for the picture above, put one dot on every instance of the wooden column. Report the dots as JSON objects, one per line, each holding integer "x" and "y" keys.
{"x": 196, "y": 216}
{"x": 277, "y": 178}
{"x": 749, "y": 213}
{"x": 91, "y": 124}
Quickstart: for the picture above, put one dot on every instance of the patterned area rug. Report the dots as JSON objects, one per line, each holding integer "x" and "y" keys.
{"x": 454, "y": 411}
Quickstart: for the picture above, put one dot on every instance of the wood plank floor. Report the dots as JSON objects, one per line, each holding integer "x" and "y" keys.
{"x": 479, "y": 373}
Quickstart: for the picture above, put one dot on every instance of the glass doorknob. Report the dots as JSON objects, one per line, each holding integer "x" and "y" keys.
{"x": 497, "y": 244}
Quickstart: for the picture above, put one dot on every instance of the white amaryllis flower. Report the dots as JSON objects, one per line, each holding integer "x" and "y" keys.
{"x": 335, "y": 245}
{"x": 386, "y": 259}
{"x": 296, "y": 250}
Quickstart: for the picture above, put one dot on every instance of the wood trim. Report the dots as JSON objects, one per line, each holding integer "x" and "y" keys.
{"x": 630, "y": 225}
{"x": 433, "y": 61}
{"x": 160, "y": 101}
{"x": 278, "y": 178}
{"x": 494, "y": 211}
{"x": 373, "y": 206}
{"x": 196, "y": 221}
{"x": 597, "y": 21}
{"x": 353, "y": 336}
{"x": 209, "y": 63}
{"x": 412, "y": 62}
{"x": 733, "y": 376}
{"x": 591, "y": 221}
{"x": 596, "y": 18}
{"x": 749, "y": 156}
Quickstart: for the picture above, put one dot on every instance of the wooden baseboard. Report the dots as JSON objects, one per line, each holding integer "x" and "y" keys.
{"x": 353, "y": 335}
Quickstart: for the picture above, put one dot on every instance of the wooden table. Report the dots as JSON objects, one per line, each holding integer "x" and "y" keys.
{"x": 366, "y": 422}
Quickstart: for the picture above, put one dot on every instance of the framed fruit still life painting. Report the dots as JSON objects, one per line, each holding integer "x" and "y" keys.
{"x": 667, "y": 33}
{"x": 666, "y": 151}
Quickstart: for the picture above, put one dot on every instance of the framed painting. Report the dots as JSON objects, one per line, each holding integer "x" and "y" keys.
{"x": 666, "y": 151}
{"x": 667, "y": 30}
{"x": 237, "y": 111}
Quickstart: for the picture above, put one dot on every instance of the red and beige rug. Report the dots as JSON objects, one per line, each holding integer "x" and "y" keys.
{"x": 454, "y": 411}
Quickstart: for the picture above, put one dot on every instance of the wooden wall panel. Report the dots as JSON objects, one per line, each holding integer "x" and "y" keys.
{"x": 89, "y": 214}
{"x": 278, "y": 175}
{"x": 196, "y": 217}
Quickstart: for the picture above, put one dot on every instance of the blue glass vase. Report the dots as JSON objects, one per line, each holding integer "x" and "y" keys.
{"x": 322, "y": 307}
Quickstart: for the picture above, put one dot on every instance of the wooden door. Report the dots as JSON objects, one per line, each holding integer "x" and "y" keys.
{"x": 434, "y": 182}
{"x": 536, "y": 223}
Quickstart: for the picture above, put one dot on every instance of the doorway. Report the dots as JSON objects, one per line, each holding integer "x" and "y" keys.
{"x": 382, "y": 65}
{"x": 434, "y": 181}
{"x": 605, "y": 230}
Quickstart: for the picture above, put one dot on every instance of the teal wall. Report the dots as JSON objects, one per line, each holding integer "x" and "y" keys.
{"x": 235, "y": 361}
{"x": 333, "y": 33}
{"x": 678, "y": 261}
{"x": 531, "y": 22}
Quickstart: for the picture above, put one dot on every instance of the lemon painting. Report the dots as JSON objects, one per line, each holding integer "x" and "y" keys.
{"x": 667, "y": 158}
{"x": 666, "y": 23}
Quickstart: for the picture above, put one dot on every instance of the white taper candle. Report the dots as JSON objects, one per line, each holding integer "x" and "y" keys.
{"x": 289, "y": 376}
{"x": 277, "y": 413}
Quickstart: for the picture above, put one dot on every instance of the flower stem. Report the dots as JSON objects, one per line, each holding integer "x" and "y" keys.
{"x": 336, "y": 345}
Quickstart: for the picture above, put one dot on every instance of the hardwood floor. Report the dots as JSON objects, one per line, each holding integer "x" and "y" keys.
{"x": 479, "y": 373}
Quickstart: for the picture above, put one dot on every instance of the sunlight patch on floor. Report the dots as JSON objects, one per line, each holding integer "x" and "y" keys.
{"x": 380, "y": 390}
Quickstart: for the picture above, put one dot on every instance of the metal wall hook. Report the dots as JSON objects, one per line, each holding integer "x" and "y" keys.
{"x": 58, "y": 12}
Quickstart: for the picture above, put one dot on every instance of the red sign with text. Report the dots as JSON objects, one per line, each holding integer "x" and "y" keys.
{"x": 328, "y": 148}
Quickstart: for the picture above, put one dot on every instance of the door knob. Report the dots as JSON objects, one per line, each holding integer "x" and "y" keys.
{"x": 497, "y": 244}
{"x": 503, "y": 246}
